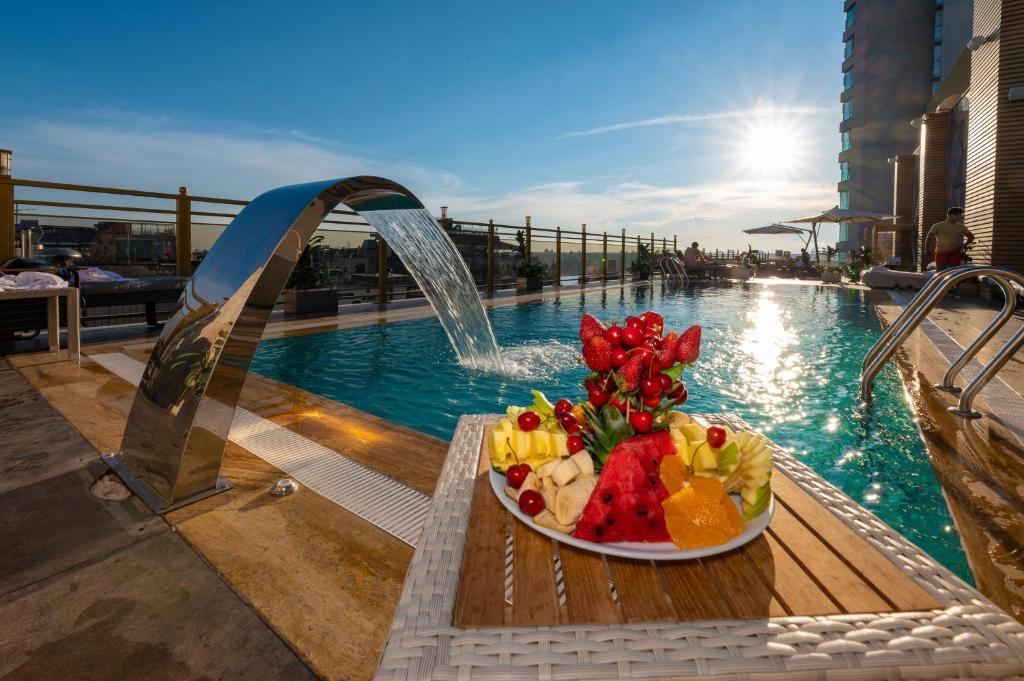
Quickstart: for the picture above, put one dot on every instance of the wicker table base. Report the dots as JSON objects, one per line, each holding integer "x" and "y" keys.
{"x": 458, "y": 619}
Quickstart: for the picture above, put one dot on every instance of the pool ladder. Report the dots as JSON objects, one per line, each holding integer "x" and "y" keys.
{"x": 917, "y": 310}
{"x": 674, "y": 269}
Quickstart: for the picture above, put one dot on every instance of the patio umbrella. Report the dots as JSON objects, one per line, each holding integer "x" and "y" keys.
{"x": 776, "y": 228}
{"x": 839, "y": 215}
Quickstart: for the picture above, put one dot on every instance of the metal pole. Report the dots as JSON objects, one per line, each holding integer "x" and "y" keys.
{"x": 183, "y": 233}
{"x": 604, "y": 260}
{"x": 6, "y": 206}
{"x": 675, "y": 245}
{"x": 490, "y": 257}
{"x": 583, "y": 257}
{"x": 382, "y": 272}
{"x": 558, "y": 256}
{"x": 529, "y": 241}
{"x": 622, "y": 268}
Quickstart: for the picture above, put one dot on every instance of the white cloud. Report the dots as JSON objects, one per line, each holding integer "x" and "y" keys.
{"x": 758, "y": 111}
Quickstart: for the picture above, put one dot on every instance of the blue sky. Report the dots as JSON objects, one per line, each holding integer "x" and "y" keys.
{"x": 615, "y": 114}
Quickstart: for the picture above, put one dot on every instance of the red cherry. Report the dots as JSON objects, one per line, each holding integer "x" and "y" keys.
{"x": 716, "y": 436}
{"x": 644, "y": 353}
{"x": 641, "y": 421}
{"x": 654, "y": 369}
{"x": 562, "y": 407}
{"x": 517, "y": 474}
{"x": 574, "y": 444}
{"x": 597, "y": 397}
{"x": 528, "y": 421}
{"x": 531, "y": 502}
{"x": 635, "y": 323}
{"x": 588, "y": 384}
{"x": 631, "y": 337}
{"x": 650, "y": 386}
{"x": 679, "y": 395}
{"x": 569, "y": 424}
{"x": 618, "y": 402}
{"x": 652, "y": 401}
{"x": 619, "y": 357}
{"x": 666, "y": 382}
{"x": 613, "y": 334}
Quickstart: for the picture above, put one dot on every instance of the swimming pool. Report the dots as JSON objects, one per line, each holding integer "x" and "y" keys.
{"x": 785, "y": 357}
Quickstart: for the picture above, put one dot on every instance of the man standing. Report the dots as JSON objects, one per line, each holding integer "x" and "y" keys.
{"x": 949, "y": 239}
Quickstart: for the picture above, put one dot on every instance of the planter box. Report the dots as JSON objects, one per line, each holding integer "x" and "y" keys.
{"x": 529, "y": 284}
{"x": 322, "y": 300}
{"x": 831, "y": 277}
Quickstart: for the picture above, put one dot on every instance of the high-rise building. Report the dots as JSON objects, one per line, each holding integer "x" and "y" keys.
{"x": 896, "y": 53}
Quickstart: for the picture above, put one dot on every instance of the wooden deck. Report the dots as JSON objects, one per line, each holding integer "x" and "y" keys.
{"x": 807, "y": 563}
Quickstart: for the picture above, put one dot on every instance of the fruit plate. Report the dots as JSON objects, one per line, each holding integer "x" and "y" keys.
{"x": 642, "y": 550}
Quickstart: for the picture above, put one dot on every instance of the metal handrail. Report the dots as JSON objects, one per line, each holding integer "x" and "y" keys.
{"x": 671, "y": 266}
{"x": 919, "y": 308}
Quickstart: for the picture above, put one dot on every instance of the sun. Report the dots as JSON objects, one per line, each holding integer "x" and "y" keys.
{"x": 771, "y": 147}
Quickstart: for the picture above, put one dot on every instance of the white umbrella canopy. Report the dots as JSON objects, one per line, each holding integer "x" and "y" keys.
{"x": 838, "y": 215}
{"x": 776, "y": 228}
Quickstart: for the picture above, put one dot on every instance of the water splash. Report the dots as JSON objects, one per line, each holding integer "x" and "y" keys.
{"x": 441, "y": 273}
{"x": 537, "y": 360}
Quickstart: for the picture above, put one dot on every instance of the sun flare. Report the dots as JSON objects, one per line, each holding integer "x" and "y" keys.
{"x": 771, "y": 147}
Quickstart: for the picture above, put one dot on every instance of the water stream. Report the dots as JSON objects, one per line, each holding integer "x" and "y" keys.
{"x": 441, "y": 273}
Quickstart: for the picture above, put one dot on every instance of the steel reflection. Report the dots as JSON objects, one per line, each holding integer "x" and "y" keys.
{"x": 178, "y": 427}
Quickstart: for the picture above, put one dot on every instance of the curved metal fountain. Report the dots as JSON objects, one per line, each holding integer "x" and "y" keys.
{"x": 174, "y": 442}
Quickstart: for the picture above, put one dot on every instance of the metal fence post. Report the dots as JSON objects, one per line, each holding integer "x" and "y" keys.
{"x": 529, "y": 240}
{"x": 382, "y": 271}
{"x": 490, "y": 257}
{"x": 604, "y": 260}
{"x": 558, "y": 256}
{"x": 675, "y": 244}
{"x": 622, "y": 268}
{"x": 583, "y": 256}
{"x": 6, "y": 207}
{"x": 183, "y": 233}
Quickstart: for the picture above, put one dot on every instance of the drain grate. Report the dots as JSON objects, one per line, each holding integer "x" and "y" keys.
{"x": 395, "y": 508}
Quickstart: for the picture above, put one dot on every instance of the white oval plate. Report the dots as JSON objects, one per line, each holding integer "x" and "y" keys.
{"x": 642, "y": 550}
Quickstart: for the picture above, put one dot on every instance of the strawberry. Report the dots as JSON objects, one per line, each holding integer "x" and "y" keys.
{"x": 590, "y": 327}
{"x": 689, "y": 345}
{"x": 655, "y": 322}
{"x": 631, "y": 371}
{"x": 667, "y": 355}
{"x": 597, "y": 353}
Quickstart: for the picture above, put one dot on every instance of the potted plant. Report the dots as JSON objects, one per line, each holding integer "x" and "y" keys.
{"x": 860, "y": 260}
{"x": 307, "y": 290}
{"x": 529, "y": 276}
{"x": 831, "y": 275}
{"x": 641, "y": 267}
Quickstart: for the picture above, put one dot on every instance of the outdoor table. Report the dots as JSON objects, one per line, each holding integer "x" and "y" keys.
{"x": 827, "y": 592}
{"x": 52, "y": 296}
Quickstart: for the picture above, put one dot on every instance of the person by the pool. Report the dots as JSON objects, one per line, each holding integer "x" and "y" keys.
{"x": 950, "y": 237}
{"x": 693, "y": 257}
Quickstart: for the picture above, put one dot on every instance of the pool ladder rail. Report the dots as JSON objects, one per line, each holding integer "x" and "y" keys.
{"x": 930, "y": 295}
{"x": 672, "y": 267}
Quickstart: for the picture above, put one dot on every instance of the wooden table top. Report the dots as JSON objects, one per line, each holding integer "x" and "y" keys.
{"x": 808, "y": 562}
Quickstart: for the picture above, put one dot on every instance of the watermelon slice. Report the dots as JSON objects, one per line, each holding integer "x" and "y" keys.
{"x": 626, "y": 503}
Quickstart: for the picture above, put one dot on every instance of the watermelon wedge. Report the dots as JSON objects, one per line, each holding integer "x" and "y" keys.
{"x": 626, "y": 503}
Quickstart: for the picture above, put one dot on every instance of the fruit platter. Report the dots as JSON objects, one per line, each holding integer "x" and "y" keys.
{"x": 625, "y": 471}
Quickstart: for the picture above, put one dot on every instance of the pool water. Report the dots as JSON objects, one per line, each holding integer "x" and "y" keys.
{"x": 785, "y": 357}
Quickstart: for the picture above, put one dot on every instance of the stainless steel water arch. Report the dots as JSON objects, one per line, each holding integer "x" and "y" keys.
{"x": 174, "y": 442}
{"x": 915, "y": 312}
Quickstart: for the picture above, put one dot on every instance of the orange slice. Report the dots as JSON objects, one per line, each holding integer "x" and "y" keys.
{"x": 701, "y": 514}
{"x": 673, "y": 473}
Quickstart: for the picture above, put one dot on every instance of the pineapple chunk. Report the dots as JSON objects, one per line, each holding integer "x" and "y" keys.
{"x": 504, "y": 423}
{"x": 540, "y": 441}
{"x": 559, "y": 442}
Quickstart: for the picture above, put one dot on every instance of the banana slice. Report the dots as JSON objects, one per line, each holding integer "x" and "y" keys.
{"x": 547, "y": 519}
{"x": 565, "y": 472}
{"x": 571, "y": 500}
{"x": 584, "y": 461}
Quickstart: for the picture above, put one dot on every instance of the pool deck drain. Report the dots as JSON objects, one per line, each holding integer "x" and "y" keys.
{"x": 395, "y": 508}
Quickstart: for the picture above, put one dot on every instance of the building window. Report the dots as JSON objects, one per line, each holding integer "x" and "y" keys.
{"x": 848, "y": 48}
{"x": 851, "y": 15}
{"x": 844, "y": 171}
{"x": 844, "y": 204}
{"x": 844, "y": 229}
{"x": 937, "y": 61}
{"x": 938, "y": 25}
{"x": 845, "y": 138}
{"x": 847, "y": 79}
{"x": 847, "y": 109}
{"x": 935, "y": 85}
